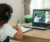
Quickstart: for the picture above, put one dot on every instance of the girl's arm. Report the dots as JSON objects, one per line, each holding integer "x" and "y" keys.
{"x": 39, "y": 17}
{"x": 19, "y": 34}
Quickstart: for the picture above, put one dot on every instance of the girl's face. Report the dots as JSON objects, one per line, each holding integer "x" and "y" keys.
{"x": 36, "y": 15}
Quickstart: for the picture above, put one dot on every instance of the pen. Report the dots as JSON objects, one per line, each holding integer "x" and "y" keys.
{"x": 17, "y": 23}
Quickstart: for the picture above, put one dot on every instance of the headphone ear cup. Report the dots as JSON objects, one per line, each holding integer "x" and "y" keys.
{"x": 10, "y": 14}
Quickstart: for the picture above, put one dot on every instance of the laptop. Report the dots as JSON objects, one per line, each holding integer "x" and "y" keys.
{"x": 40, "y": 20}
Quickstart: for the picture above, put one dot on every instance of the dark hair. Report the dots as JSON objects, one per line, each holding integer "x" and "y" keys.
{"x": 36, "y": 14}
{"x": 4, "y": 13}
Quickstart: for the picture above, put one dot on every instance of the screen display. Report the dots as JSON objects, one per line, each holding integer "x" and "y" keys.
{"x": 41, "y": 16}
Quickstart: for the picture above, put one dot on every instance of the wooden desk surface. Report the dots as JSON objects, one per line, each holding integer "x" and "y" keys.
{"x": 44, "y": 34}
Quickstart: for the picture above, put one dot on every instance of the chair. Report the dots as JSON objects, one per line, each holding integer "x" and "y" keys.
{"x": 7, "y": 39}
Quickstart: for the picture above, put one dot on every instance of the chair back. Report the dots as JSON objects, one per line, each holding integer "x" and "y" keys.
{"x": 7, "y": 39}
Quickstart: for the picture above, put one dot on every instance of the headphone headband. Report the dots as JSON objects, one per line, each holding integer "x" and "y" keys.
{"x": 10, "y": 14}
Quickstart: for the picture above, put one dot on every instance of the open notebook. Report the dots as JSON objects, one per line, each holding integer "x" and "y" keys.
{"x": 25, "y": 29}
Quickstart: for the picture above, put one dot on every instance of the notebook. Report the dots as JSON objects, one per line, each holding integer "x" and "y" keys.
{"x": 25, "y": 29}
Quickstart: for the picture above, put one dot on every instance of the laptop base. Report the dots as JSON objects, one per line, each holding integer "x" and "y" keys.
{"x": 37, "y": 27}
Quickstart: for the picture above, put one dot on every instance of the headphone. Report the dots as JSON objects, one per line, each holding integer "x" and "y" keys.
{"x": 10, "y": 14}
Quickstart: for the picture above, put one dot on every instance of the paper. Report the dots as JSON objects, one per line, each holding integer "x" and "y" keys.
{"x": 25, "y": 29}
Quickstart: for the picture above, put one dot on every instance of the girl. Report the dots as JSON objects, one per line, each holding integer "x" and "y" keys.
{"x": 37, "y": 18}
{"x": 5, "y": 28}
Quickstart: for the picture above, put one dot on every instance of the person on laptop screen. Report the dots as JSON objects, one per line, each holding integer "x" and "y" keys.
{"x": 36, "y": 19}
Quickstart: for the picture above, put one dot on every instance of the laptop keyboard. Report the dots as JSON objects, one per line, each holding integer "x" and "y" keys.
{"x": 42, "y": 26}
{"x": 37, "y": 27}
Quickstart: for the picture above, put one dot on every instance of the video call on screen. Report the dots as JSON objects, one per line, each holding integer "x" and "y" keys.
{"x": 41, "y": 16}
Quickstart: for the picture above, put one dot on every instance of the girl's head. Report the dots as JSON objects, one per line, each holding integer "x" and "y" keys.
{"x": 36, "y": 15}
{"x": 5, "y": 13}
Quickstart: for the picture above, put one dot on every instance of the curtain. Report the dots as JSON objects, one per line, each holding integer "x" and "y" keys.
{"x": 27, "y": 6}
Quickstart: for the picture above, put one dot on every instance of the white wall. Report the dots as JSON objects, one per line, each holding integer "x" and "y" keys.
{"x": 39, "y": 4}
{"x": 46, "y": 3}
{"x": 32, "y": 6}
{"x": 17, "y": 6}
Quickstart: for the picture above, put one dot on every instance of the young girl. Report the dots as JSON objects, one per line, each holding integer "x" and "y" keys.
{"x": 5, "y": 28}
{"x": 37, "y": 18}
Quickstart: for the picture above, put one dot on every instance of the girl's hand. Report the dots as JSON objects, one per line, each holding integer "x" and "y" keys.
{"x": 15, "y": 27}
{"x": 19, "y": 34}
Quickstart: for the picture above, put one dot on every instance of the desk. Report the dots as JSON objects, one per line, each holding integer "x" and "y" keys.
{"x": 36, "y": 36}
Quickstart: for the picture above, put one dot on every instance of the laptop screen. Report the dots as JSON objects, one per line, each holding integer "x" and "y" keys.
{"x": 41, "y": 16}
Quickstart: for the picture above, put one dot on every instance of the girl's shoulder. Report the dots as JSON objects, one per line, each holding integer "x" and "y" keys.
{"x": 6, "y": 26}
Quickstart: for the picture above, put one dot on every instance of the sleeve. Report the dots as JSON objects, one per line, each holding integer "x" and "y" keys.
{"x": 10, "y": 31}
{"x": 39, "y": 17}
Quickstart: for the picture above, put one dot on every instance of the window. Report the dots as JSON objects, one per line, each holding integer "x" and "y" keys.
{"x": 36, "y": 4}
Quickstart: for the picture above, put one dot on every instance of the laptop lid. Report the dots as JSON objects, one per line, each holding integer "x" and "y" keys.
{"x": 41, "y": 17}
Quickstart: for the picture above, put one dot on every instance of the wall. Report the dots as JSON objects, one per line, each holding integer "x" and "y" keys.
{"x": 17, "y": 6}
{"x": 39, "y": 4}
{"x": 46, "y": 3}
